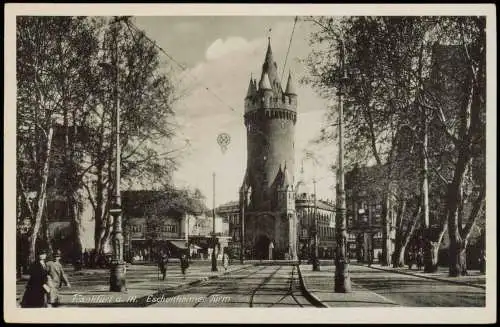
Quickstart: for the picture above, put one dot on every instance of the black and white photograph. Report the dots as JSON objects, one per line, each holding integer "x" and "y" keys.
{"x": 250, "y": 157}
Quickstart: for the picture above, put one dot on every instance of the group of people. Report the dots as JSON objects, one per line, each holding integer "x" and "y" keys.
{"x": 46, "y": 278}
{"x": 184, "y": 263}
{"x": 416, "y": 257}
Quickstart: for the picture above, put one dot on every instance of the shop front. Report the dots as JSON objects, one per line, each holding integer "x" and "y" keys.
{"x": 145, "y": 242}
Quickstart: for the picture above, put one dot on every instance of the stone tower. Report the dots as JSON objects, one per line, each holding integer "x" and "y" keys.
{"x": 270, "y": 117}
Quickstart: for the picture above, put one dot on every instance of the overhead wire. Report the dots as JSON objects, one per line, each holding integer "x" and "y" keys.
{"x": 288, "y": 51}
{"x": 184, "y": 68}
{"x": 127, "y": 23}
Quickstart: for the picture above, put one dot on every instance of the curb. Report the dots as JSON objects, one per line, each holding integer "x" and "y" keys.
{"x": 307, "y": 294}
{"x": 426, "y": 277}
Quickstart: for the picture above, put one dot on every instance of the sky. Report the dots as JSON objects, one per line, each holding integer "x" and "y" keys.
{"x": 221, "y": 53}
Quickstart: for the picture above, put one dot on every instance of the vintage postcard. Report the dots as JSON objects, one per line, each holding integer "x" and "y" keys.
{"x": 256, "y": 160}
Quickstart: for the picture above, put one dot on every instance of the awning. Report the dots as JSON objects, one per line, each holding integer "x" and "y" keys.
{"x": 179, "y": 244}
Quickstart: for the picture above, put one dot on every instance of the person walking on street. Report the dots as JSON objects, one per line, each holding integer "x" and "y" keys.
{"x": 56, "y": 279}
{"x": 184, "y": 264}
{"x": 482, "y": 262}
{"x": 37, "y": 289}
{"x": 225, "y": 261}
{"x": 420, "y": 259}
{"x": 370, "y": 258}
{"x": 411, "y": 258}
{"x": 162, "y": 264}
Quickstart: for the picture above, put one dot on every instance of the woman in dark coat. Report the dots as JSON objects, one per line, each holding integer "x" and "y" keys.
{"x": 36, "y": 294}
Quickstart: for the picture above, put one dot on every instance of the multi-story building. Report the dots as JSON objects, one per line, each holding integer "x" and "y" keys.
{"x": 364, "y": 198}
{"x": 150, "y": 226}
{"x": 314, "y": 216}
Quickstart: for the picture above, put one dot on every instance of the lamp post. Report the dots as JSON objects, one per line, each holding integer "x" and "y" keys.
{"x": 342, "y": 278}
{"x": 214, "y": 257}
{"x": 315, "y": 261}
{"x": 117, "y": 281}
{"x": 242, "y": 225}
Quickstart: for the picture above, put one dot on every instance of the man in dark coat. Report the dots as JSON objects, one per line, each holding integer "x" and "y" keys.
{"x": 162, "y": 264}
{"x": 184, "y": 264}
{"x": 37, "y": 289}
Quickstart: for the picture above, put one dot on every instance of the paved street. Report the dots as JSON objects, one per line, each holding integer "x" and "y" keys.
{"x": 376, "y": 287}
{"x": 90, "y": 287}
{"x": 269, "y": 285}
{"x": 255, "y": 286}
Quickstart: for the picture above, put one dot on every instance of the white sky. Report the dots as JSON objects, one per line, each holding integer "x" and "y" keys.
{"x": 221, "y": 53}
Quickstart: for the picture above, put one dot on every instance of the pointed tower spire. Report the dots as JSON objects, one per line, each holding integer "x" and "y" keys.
{"x": 290, "y": 87}
{"x": 269, "y": 65}
{"x": 265, "y": 83}
{"x": 287, "y": 180}
{"x": 251, "y": 88}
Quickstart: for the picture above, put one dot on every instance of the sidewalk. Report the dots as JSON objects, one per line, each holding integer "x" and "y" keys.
{"x": 473, "y": 279}
{"x": 318, "y": 287}
{"x": 90, "y": 287}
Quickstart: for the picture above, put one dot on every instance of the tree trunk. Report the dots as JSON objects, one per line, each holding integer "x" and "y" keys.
{"x": 399, "y": 256}
{"x": 386, "y": 241}
{"x": 457, "y": 258}
{"x": 76, "y": 224}
{"x": 42, "y": 194}
{"x": 454, "y": 200}
{"x": 404, "y": 240}
{"x": 46, "y": 232}
{"x": 399, "y": 251}
{"x": 98, "y": 212}
{"x": 433, "y": 250}
{"x": 434, "y": 256}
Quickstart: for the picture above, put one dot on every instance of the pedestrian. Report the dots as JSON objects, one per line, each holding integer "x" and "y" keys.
{"x": 85, "y": 258}
{"x": 184, "y": 264}
{"x": 37, "y": 289}
{"x": 411, "y": 258}
{"x": 56, "y": 278}
{"x": 482, "y": 262}
{"x": 420, "y": 259}
{"x": 370, "y": 258}
{"x": 225, "y": 261}
{"x": 162, "y": 264}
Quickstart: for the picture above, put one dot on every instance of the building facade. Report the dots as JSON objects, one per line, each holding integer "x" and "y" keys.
{"x": 364, "y": 198}
{"x": 314, "y": 216}
{"x": 309, "y": 214}
{"x": 267, "y": 191}
{"x": 151, "y": 227}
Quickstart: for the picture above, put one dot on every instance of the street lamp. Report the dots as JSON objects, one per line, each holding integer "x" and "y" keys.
{"x": 242, "y": 224}
{"x": 342, "y": 279}
{"x": 214, "y": 258}
{"x": 315, "y": 261}
{"x": 117, "y": 282}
